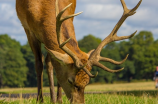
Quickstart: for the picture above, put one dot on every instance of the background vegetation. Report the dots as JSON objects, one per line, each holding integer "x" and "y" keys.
{"x": 17, "y": 61}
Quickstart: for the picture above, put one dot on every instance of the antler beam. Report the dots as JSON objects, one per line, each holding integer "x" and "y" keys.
{"x": 95, "y": 56}
{"x": 59, "y": 21}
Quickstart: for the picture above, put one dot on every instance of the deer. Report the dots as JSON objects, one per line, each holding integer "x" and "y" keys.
{"x": 50, "y": 22}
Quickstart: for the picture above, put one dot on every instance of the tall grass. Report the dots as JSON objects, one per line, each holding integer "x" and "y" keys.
{"x": 91, "y": 87}
{"x": 119, "y": 99}
{"x": 95, "y": 99}
{"x": 133, "y": 93}
{"x": 121, "y": 86}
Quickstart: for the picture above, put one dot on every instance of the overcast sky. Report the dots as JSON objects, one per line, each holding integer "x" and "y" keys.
{"x": 98, "y": 18}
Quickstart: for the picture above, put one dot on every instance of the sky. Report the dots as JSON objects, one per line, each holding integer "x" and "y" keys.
{"x": 98, "y": 18}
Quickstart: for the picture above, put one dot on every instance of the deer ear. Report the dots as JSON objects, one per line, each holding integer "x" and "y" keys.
{"x": 62, "y": 58}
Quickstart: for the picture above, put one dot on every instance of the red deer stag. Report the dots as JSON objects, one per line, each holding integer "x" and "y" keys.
{"x": 47, "y": 22}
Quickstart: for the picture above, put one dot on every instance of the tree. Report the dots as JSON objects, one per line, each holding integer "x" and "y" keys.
{"x": 17, "y": 62}
{"x": 112, "y": 51}
{"x": 30, "y": 63}
{"x": 90, "y": 42}
{"x": 129, "y": 68}
{"x": 13, "y": 66}
{"x": 144, "y": 38}
{"x": 143, "y": 54}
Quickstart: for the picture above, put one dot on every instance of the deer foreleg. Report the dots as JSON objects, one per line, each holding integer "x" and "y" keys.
{"x": 59, "y": 94}
{"x": 39, "y": 71}
{"x": 49, "y": 68}
{"x": 36, "y": 48}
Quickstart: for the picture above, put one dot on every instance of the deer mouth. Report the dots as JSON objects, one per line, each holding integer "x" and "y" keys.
{"x": 77, "y": 96}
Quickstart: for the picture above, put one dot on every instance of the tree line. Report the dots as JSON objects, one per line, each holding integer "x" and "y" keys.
{"x": 17, "y": 66}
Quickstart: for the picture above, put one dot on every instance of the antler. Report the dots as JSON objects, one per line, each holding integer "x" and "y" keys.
{"x": 95, "y": 56}
{"x": 59, "y": 21}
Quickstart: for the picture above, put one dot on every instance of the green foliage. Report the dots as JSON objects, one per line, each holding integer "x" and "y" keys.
{"x": 12, "y": 65}
{"x": 17, "y": 63}
{"x": 30, "y": 63}
{"x": 144, "y": 38}
{"x": 31, "y": 74}
{"x": 143, "y": 54}
{"x": 88, "y": 43}
{"x": 140, "y": 64}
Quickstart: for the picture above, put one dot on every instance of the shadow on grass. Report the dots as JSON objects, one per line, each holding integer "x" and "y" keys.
{"x": 3, "y": 93}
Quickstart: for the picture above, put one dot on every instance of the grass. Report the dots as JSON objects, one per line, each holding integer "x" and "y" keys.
{"x": 22, "y": 90}
{"x": 127, "y": 93}
{"x": 121, "y": 86}
{"x": 119, "y": 99}
{"x": 89, "y": 88}
{"x": 95, "y": 99}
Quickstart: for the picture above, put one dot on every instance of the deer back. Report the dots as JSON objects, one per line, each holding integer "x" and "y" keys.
{"x": 39, "y": 17}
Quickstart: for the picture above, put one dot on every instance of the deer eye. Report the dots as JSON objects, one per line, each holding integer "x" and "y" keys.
{"x": 70, "y": 80}
{"x": 77, "y": 87}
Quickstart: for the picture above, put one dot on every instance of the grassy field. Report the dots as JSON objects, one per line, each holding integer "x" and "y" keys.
{"x": 131, "y": 93}
{"x": 94, "y": 99}
{"x": 122, "y": 86}
{"x": 91, "y": 87}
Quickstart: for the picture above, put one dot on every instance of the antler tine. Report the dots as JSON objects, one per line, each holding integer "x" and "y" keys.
{"x": 89, "y": 74}
{"x": 124, "y": 5}
{"x": 116, "y": 38}
{"x": 127, "y": 12}
{"x": 113, "y": 35}
{"x": 95, "y": 56}
{"x": 132, "y": 11}
{"x": 56, "y": 7}
{"x": 136, "y": 7}
{"x": 61, "y": 12}
{"x": 70, "y": 16}
{"x": 113, "y": 61}
{"x": 105, "y": 68}
{"x": 59, "y": 21}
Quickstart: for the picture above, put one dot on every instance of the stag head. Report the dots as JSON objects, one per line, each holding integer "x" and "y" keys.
{"x": 73, "y": 72}
{"x": 72, "y": 79}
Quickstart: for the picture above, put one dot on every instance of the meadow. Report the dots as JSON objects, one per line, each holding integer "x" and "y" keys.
{"x": 126, "y": 93}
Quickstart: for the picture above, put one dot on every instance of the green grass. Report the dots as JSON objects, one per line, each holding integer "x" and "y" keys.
{"x": 151, "y": 93}
{"x": 22, "y": 90}
{"x": 127, "y": 93}
{"x": 119, "y": 99}
{"x": 92, "y": 87}
{"x": 96, "y": 99}
{"x": 122, "y": 86}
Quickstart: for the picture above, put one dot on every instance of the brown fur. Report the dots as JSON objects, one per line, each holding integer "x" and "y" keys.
{"x": 38, "y": 18}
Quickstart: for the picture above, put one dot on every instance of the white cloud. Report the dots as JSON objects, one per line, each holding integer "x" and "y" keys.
{"x": 145, "y": 15}
{"x": 106, "y": 12}
{"x": 98, "y": 18}
{"x": 7, "y": 1}
{"x": 98, "y": 1}
{"x": 145, "y": 3}
{"x": 99, "y": 11}
{"x": 9, "y": 23}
